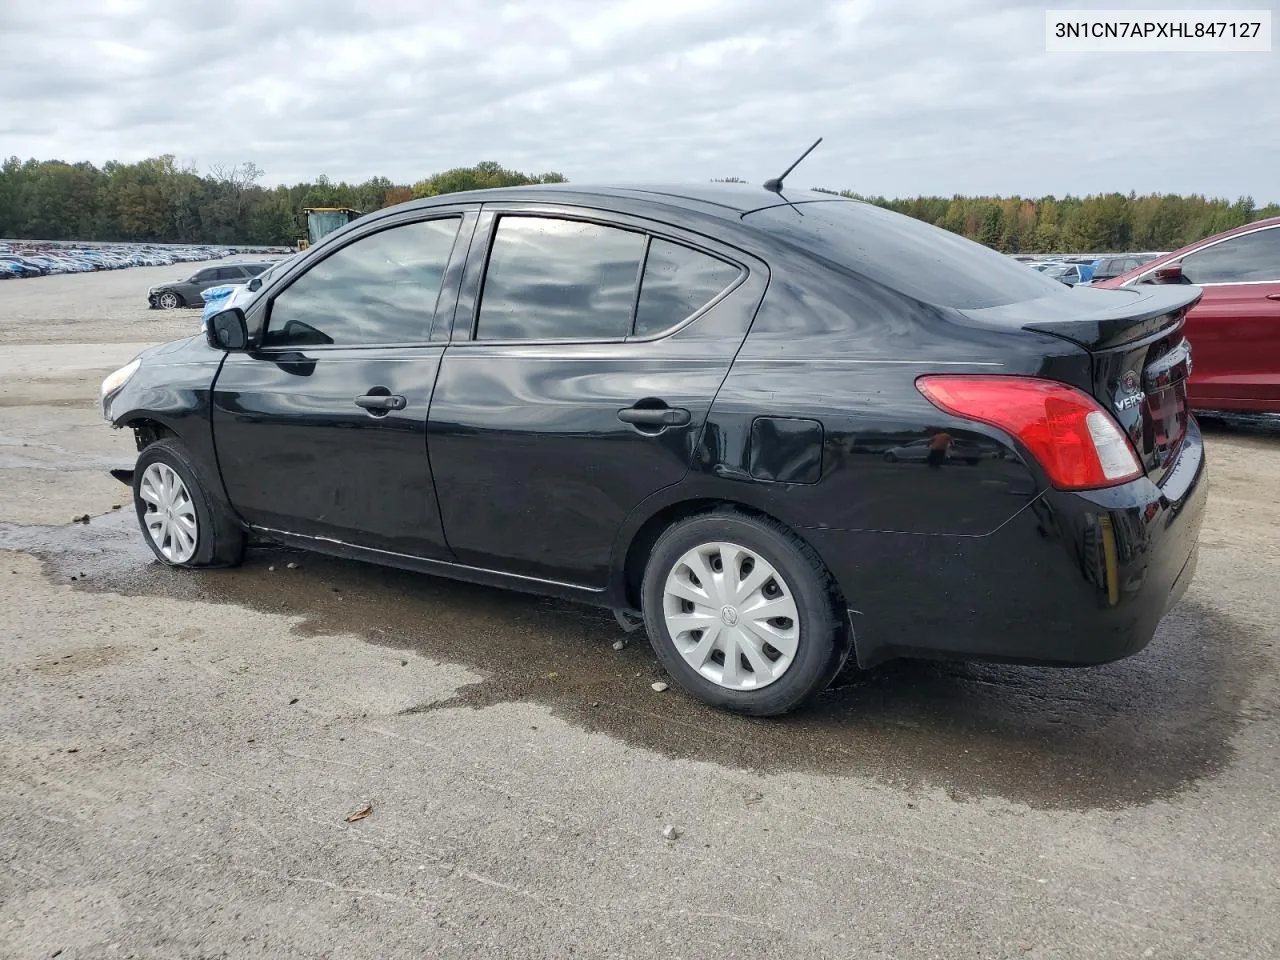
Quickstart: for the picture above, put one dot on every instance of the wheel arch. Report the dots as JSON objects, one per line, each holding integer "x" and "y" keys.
{"x": 644, "y": 530}
{"x": 147, "y": 429}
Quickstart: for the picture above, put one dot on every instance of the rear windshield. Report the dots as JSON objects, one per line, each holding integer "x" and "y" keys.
{"x": 907, "y": 255}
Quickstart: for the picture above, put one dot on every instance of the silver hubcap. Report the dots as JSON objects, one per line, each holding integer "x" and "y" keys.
{"x": 168, "y": 300}
{"x": 170, "y": 517}
{"x": 731, "y": 616}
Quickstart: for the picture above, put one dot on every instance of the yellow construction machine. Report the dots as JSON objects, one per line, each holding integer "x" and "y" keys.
{"x": 324, "y": 220}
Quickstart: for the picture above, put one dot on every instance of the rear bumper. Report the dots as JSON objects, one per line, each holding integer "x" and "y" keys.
{"x": 1072, "y": 579}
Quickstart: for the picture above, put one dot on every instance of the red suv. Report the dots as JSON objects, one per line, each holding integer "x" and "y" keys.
{"x": 1235, "y": 328}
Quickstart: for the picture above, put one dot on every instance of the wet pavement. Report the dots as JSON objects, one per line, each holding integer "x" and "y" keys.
{"x": 1125, "y": 733}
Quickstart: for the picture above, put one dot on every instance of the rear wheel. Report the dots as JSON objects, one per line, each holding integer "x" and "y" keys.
{"x": 741, "y": 613}
{"x": 182, "y": 524}
{"x": 168, "y": 300}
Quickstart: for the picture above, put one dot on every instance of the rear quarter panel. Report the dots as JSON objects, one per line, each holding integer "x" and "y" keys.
{"x": 846, "y": 353}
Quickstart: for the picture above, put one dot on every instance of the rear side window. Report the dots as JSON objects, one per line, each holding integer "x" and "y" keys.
{"x": 553, "y": 279}
{"x": 678, "y": 281}
{"x": 915, "y": 258}
{"x": 381, "y": 288}
{"x": 229, "y": 273}
{"x": 1252, "y": 257}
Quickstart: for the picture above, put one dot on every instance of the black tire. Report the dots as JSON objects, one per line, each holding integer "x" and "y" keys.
{"x": 220, "y": 540}
{"x": 823, "y": 643}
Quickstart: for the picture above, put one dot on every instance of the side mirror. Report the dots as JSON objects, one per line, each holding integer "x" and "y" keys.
{"x": 255, "y": 284}
{"x": 227, "y": 330}
{"x": 1169, "y": 273}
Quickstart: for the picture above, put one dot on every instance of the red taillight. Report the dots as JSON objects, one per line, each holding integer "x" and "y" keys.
{"x": 1077, "y": 442}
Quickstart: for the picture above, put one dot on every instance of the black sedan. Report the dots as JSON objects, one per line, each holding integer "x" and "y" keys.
{"x": 186, "y": 293}
{"x": 676, "y": 402}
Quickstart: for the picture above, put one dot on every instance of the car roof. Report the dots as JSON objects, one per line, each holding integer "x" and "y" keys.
{"x": 726, "y": 201}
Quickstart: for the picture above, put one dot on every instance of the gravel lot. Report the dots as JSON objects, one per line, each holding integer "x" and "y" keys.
{"x": 180, "y": 753}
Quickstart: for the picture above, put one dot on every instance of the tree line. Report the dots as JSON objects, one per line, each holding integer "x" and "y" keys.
{"x": 158, "y": 201}
{"x": 1107, "y": 222}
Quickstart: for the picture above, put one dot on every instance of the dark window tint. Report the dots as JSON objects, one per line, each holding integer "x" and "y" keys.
{"x": 904, "y": 254}
{"x": 254, "y": 269}
{"x": 209, "y": 274}
{"x": 1253, "y": 256}
{"x": 380, "y": 289}
{"x": 677, "y": 282}
{"x": 558, "y": 280}
{"x": 229, "y": 273}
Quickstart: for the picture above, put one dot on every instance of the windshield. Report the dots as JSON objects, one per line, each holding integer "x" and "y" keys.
{"x": 904, "y": 254}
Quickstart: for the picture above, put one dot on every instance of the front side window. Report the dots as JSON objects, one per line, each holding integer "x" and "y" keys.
{"x": 1249, "y": 258}
{"x": 551, "y": 279}
{"x": 678, "y": 282}
{"x": 381, "y": 288}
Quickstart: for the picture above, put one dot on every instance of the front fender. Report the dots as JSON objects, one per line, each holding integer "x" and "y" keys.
{"x": 172, "y": 389}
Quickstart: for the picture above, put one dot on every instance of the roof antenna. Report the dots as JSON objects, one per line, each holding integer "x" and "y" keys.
{"x": 775, "y": 185}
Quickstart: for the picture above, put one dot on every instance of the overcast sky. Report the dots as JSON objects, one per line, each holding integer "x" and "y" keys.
{"x": 935, "y": 97}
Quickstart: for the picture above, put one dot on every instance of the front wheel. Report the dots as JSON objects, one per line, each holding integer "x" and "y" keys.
{"x": 182, "y": 524}
{"x": 742, "y": 614}
{"x": 168, "y": 300}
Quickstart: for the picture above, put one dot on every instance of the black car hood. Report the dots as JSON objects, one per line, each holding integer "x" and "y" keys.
{"x": 178, "y": 351}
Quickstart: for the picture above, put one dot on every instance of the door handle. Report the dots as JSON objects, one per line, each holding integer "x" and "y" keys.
{"x": 654, "y": 416}
{"x": 1273, "y": 296}
{"x": 373, "y": 401}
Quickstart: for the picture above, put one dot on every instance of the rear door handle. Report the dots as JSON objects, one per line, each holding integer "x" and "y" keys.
{"x": 1273, "y": 296}
{"x": 655, "y": 416}
{"x": 373, "y": 401}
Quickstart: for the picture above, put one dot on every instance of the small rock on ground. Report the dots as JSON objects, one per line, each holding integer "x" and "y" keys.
{"x": 659, "y": 687}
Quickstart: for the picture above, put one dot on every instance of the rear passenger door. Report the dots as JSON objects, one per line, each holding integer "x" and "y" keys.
{"x": 586, "y": 351}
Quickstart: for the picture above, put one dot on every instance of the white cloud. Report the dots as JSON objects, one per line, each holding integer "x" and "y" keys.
{"x": 925, "y": 97}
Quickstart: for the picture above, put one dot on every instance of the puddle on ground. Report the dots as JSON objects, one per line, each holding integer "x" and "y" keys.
{"x": 1121, "y": 734}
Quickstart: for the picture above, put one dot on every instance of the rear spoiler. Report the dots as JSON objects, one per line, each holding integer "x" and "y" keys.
{"x": 1103, "y": 321}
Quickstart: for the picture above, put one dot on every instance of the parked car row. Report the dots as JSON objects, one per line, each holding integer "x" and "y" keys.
{"x": 1088, "y": 269}
{"x": 31, "y": 261}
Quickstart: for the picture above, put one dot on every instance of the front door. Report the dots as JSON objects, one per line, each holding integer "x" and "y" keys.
{"x": 1234, "y": 330}
{"x": 321, "y": 431}
{"x": 581, "y": 369}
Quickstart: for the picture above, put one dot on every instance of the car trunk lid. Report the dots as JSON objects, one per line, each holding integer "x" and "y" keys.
{"x": 1139, "y": 358}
